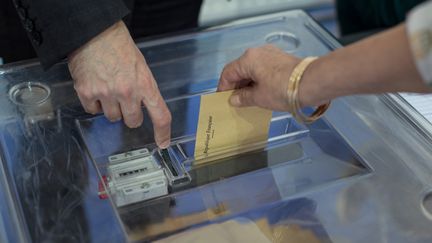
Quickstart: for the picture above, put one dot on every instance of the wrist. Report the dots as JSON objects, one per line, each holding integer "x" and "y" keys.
{"x": 113, "y": 32}
{"x": 314, "y": 89}
{"x": 294, "y": 103}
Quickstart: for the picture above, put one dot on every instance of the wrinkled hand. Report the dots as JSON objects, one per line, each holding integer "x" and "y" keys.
{"x": 111, "y": 74}
{"x": 260, "y": 77}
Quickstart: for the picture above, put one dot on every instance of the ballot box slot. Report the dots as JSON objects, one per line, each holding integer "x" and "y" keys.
{"x": 176, "y": 172}
{"x": 148, "y": 172}
{"x": 283, "y": 129}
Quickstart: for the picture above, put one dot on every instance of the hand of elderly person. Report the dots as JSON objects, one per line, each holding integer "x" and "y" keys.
{"x": 111, "y": 75}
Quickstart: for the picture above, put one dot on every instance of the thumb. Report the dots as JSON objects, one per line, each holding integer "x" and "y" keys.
{"x": 243, "y": 97}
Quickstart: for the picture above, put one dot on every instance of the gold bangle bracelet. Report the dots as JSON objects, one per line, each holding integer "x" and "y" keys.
{"x": 292, "y": 93}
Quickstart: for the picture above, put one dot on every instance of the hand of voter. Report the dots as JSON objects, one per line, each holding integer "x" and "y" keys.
{"x": 260, "y": 77}
{"x": 111, "y": 75}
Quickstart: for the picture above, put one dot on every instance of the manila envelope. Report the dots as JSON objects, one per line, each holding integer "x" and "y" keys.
{"x": 224, "y": 130}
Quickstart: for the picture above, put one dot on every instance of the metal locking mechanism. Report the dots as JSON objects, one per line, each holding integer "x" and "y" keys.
{"x": 139, "y": 175}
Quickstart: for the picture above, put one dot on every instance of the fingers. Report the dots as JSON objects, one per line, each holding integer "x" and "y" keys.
{"x": 158, "y": 111}
{"x": 92, "y": 107}
{"x": 111, "y": 109}
{"x": 131, "y": 112}
{"x": 238, "y": 75}
{"x": 120, "y": 80}
{"x": 89, "y": 104}
{"x": 161, "y": 119}
{"x": 243, "y": 97}
{"x": 237, "y": 72}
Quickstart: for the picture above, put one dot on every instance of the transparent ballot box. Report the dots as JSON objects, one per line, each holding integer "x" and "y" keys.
{"x": 160, "y": 192}
{"x": 361, "y": 173}
{"x": 156, "y": 190}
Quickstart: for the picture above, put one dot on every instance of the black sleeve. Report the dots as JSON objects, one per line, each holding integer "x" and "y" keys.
{"x": 58, "y": 27}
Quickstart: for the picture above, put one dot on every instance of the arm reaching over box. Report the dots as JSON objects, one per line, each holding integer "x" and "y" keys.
{"x": 394, "y": 61}
{"x": 110, "y": 73}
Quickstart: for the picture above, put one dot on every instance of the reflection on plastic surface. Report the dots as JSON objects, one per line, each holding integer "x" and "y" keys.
{"x": 53, "y": 183}
{"x": 427, "y": 204}
{"x": 290, "y": 221}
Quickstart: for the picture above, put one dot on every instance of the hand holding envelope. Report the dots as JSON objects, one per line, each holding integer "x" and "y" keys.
{"x": 224, "y": 130}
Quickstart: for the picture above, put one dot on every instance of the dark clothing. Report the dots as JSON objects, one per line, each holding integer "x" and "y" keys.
{"x": 57, "y": 27}
{"x": 14, "y": 44}
{"x": 154, "y": 17}
{"x": 357, "y": 16}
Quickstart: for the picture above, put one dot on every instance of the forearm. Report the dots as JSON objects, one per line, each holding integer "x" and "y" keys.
{"x": 383, "y": 63}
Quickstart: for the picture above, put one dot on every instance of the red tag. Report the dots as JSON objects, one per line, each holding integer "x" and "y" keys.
{"x": 101, "y": 189}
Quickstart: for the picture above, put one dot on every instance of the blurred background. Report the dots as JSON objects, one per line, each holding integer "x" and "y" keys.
{"x": 347, "y": 20}
{"x": 214, "y": 12}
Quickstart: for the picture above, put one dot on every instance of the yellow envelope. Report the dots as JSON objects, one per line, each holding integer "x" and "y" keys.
{"x": 224, "y": 130}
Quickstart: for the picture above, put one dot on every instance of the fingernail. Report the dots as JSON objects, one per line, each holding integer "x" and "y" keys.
{"x": 138, "y": 124}
{"x": 115, "y": 119}
{"x": 235, "y": 100}
{"x": 165, "y": 144}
